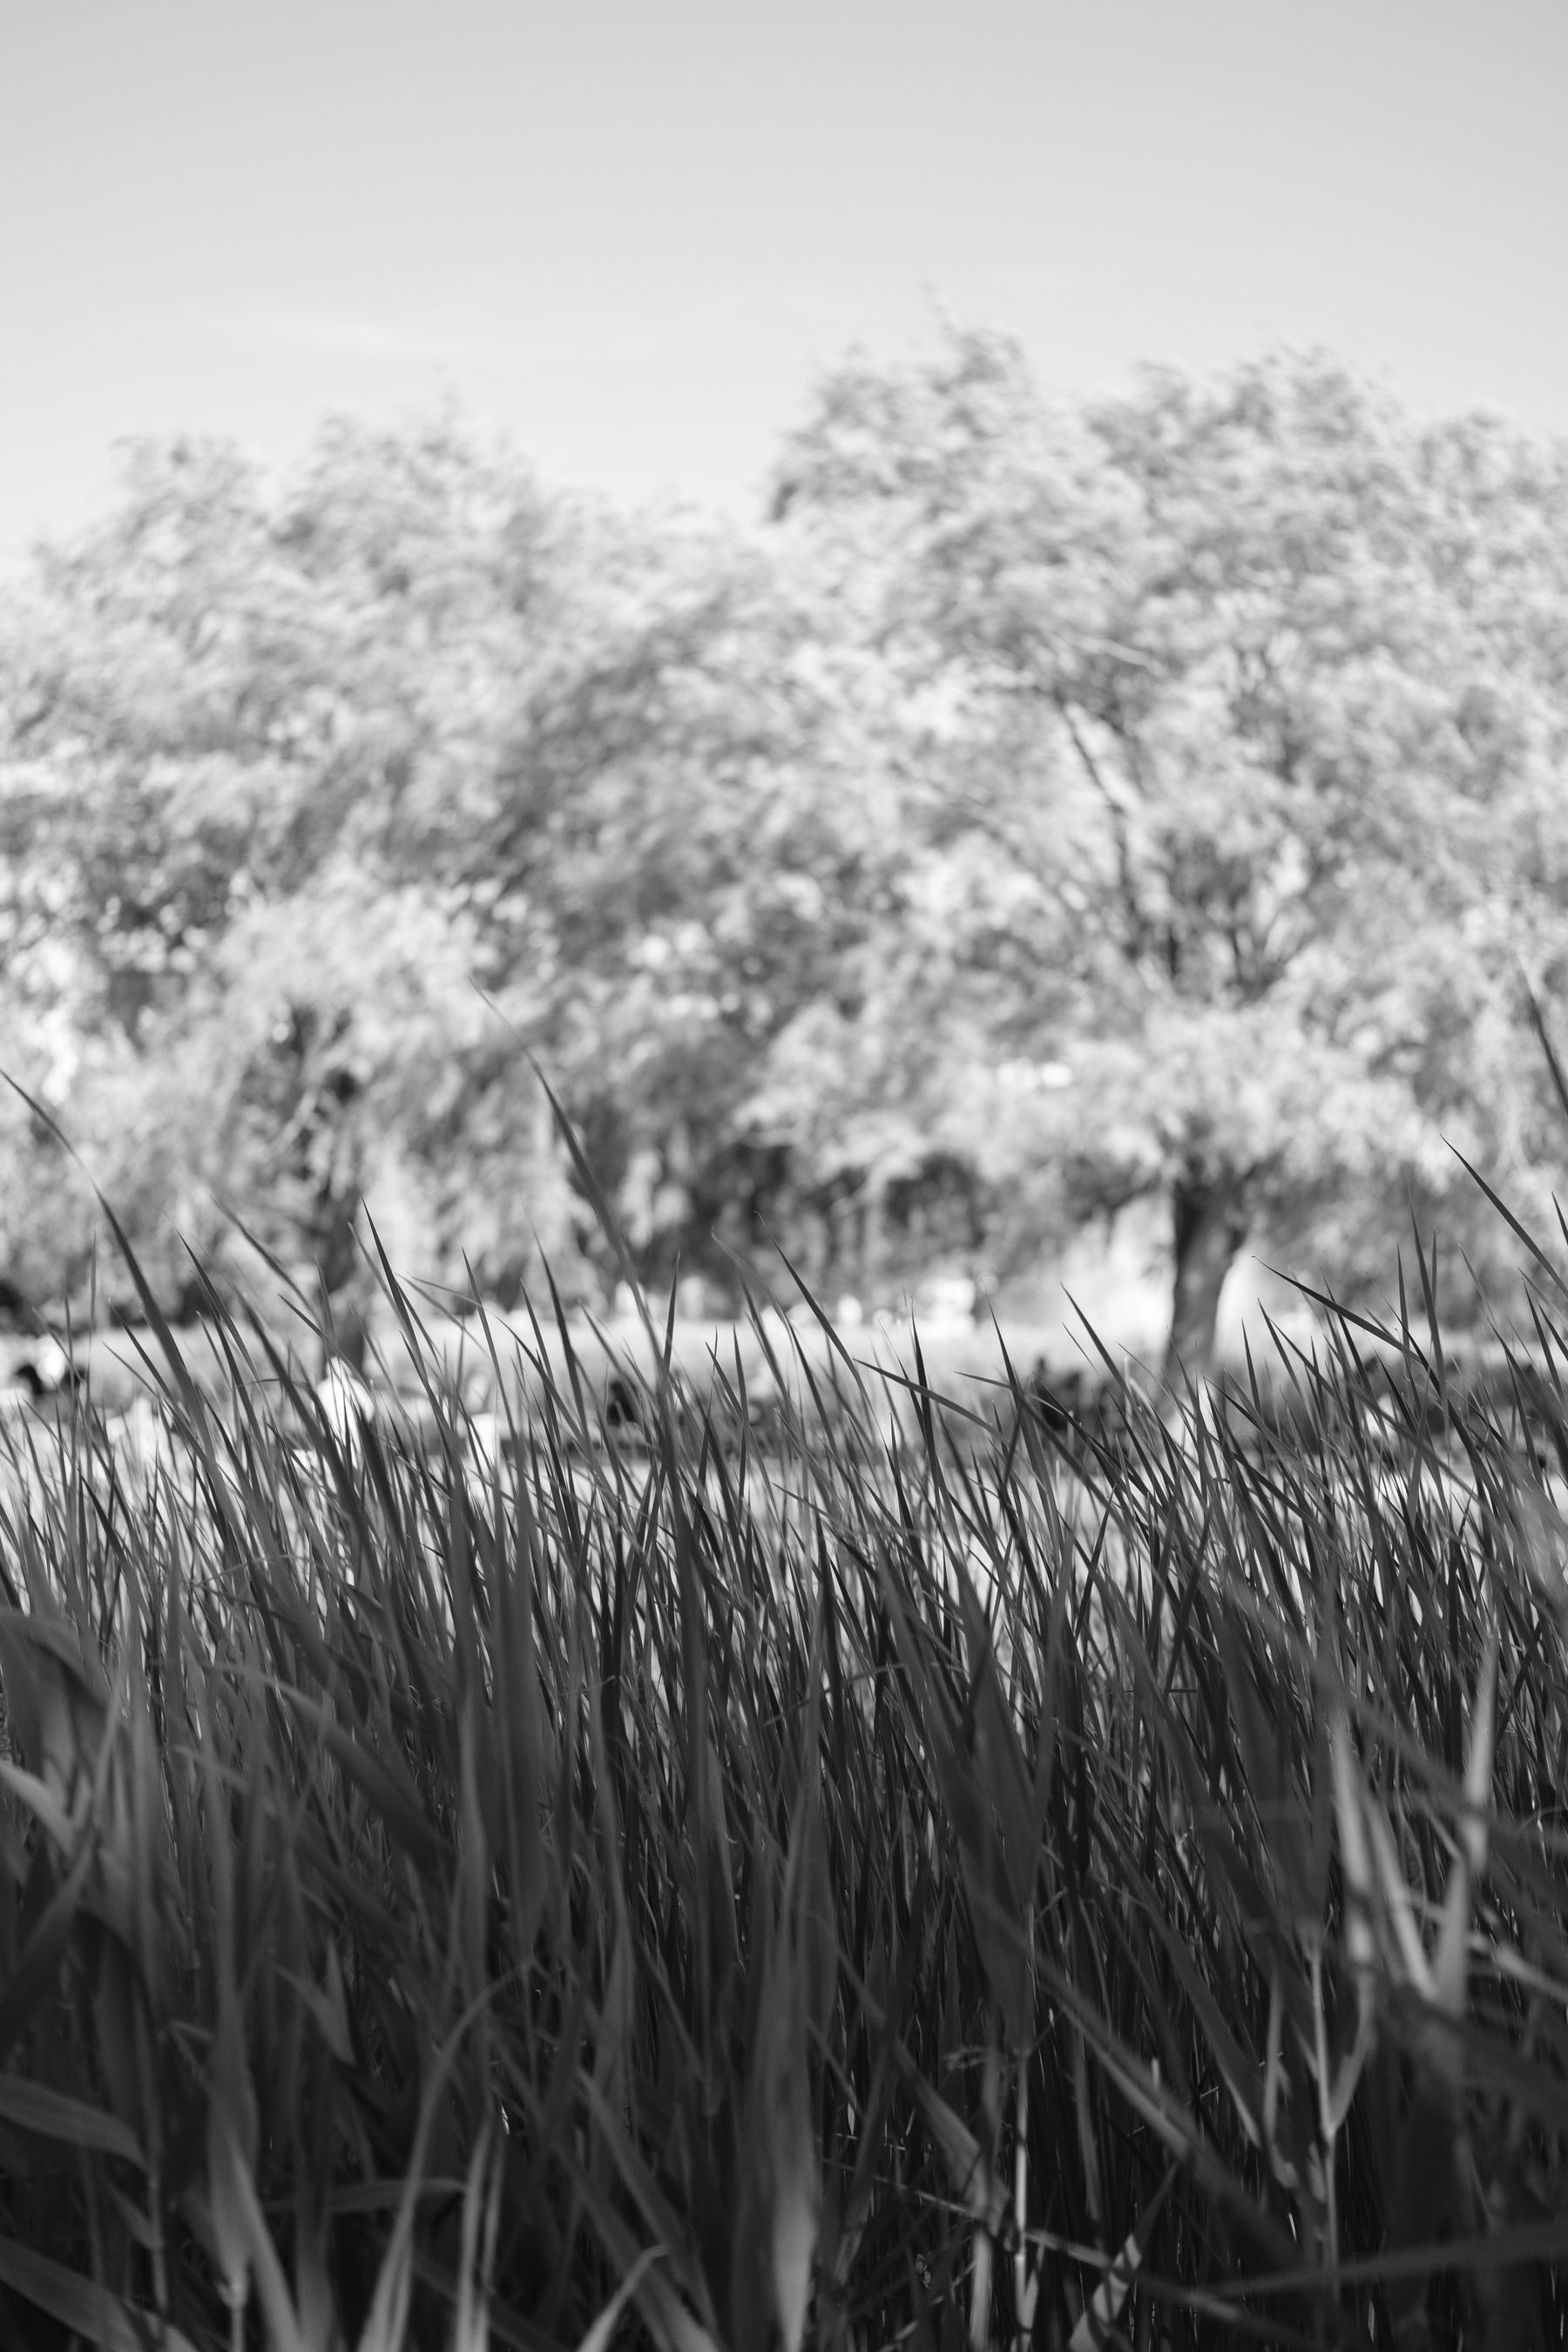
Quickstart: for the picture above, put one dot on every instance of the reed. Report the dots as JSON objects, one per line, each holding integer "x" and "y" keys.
{"x": 869, "y": 1890}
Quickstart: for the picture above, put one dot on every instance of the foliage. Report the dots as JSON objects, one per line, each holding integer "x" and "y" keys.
{"x": 862, "y": 1891}
{"x": 1043, "y": 809}
{"x": 218, "y": 705}
{"x": 1246, "y": 702}
{"x": 690, "y": 858}
{"x": 607, "y": 770}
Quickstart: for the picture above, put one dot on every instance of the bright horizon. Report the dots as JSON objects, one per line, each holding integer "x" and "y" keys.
{"x": 632, "y": 240}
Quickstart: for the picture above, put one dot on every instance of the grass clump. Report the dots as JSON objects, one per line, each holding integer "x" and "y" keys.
{"x": 870, "y": 1889}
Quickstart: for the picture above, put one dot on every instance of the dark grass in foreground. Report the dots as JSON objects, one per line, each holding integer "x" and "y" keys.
{"x": 875, "y": 1891}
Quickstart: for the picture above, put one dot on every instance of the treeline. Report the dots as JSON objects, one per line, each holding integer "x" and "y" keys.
{"x": 1037, "y": 810}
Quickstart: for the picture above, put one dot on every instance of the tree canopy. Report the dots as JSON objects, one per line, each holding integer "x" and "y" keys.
{"x": 1042, "y": 807}
{"x": 1245, "y": 702}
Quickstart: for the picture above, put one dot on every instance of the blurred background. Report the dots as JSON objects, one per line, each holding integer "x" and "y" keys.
{"x": 957, "y": 625}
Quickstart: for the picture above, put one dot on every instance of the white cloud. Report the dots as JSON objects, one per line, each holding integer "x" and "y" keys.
{"x": 396, "y": 343}
{"x": 662, "y": 326}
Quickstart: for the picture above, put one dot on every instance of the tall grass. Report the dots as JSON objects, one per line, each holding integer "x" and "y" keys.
{"x": 1061, "y": 1888}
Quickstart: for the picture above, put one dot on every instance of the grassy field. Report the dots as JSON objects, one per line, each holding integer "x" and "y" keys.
{"x": 722, "y": 1880}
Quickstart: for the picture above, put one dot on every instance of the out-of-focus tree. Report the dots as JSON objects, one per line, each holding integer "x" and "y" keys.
{"x": 914, "y": 1130}
{"x": 219, "y": 687}
{"x": 1251, "y": 700}
{"x": 344, "y": 1063}
{"x": 609, "y": 769}
{"x": 213, "y": 707}
{"x": 692, "y": 846}
{"x": 1043, "y": 811}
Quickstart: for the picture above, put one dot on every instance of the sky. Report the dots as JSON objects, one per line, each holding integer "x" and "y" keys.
{"x": 634, "y": 236}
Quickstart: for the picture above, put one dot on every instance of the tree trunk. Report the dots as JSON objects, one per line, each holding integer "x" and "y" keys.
{"x": 343, "y": 1277}
{"x": 1209, "y": 1219}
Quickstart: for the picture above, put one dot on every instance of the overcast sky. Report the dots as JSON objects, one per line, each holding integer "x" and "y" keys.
{"x": 633, "y": 235}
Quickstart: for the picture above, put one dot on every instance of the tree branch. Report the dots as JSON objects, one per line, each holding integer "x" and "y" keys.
{"x": 1127, "y": 888}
